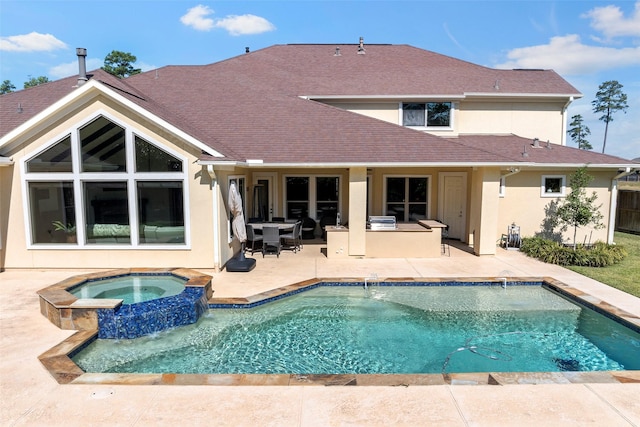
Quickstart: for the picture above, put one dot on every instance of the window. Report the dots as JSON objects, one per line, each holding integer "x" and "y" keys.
{"x": 104, "y": 185}
{"x": 315, "y": 196}
{"x": 406, "y": 198}
{"x": 552, "y": 186}
{"x": 430, "y": 114}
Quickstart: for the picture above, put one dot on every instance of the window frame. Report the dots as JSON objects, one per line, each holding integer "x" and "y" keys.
{"x": 79, "y": 178}
{"x": 543, "y": 186}
{"x": 406, "y": 202}
{"x": 313, "y": 196}
{"x": 426, "y": 126}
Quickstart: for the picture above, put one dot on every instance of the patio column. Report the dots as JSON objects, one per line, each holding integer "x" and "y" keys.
{"x": 357, "y": 211}
{"x": 485, "y": 201}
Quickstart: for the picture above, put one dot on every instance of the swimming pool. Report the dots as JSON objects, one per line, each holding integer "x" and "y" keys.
{"x": 384, "y": 329}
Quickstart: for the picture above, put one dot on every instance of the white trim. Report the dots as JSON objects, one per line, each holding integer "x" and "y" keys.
{"x": 230, "y": 165}
{"x": 405, "y": 176}
{"x": 35, "y": 122}
{"x": 521, "y": 95}
{"x": 543, "y": 186}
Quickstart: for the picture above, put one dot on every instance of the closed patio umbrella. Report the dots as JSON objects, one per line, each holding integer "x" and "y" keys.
{"x": 240, "y": 263}
{"x": 235, "y": 206}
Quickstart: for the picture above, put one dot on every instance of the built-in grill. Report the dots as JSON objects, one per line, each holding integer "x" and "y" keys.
{"x": 382, "y": 223}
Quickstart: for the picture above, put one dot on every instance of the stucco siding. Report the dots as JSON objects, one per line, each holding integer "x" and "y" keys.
{"x": 523, "y": 205}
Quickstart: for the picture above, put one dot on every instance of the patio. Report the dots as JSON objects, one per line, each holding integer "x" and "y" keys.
{"x": 30, "y": 396}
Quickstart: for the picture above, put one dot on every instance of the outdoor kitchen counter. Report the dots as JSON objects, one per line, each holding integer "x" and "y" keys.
{"x": 408, "y": 240}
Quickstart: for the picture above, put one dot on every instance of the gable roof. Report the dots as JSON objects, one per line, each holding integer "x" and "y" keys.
{"x": 256, "y": 108}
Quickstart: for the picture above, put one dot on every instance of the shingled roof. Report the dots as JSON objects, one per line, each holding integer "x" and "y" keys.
{"x": 259, "y": 106}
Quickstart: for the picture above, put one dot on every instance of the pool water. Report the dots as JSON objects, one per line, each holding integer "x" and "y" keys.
{"x": 404, "y": 329}
{"x": 131, "y": 289}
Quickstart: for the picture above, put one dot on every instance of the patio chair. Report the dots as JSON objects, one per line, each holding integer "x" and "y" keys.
{"x": 253, "y": 238}
{"x": 271, "y": 240}
{"x": 308, "y": 228}
{"x": 293, "y": 239}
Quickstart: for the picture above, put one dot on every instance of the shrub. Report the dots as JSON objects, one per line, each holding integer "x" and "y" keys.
{"x": 598, "y": 255}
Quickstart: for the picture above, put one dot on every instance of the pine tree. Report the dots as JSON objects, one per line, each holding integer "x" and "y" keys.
{"x": 609, "y": 99}
{"x": 579, "y": 132}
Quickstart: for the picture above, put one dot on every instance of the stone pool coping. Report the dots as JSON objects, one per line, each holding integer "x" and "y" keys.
{"x": 67, "y": 311}
{"x": 58, "y": 360}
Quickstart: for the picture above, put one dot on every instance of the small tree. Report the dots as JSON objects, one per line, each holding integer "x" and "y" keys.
{"x": 609, "y": 99}
{"x": 35, "y": 81}
{"x": 6, "y": 87}
{"x": 578, "y": 209}
{"x": 579, "y": 132}
{"x": 120, "y": 64}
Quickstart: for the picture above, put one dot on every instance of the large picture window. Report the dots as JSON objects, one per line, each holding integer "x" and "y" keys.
{"x": 105, "y": 185}
{"x": 406, "y": 198}
{"x": 429, "y": 114}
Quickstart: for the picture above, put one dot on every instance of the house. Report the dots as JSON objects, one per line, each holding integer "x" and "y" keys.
{"x": 101, "y": 172}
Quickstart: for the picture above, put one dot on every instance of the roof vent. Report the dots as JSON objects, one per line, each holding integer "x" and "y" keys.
{"x": 536, "y": 143}
{"x": 246, "y": 49}
{"x": 361, "y": 50}
{"x": 82, "y": 65}
{"x": 337, "y": 51}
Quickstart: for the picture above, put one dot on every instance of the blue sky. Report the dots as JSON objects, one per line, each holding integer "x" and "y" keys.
{"x": 587, "y": 42}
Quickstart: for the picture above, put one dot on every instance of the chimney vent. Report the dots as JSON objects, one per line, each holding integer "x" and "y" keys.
{"x": 361, "y": 50}
{"x": 82, "y": 65}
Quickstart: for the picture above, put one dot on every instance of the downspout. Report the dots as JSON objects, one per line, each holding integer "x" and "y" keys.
{"x": 563, "y": 136}
{"x": 512, "y": 171}
{"x": 613, "y": 208}
{"x": 216, "y": 217}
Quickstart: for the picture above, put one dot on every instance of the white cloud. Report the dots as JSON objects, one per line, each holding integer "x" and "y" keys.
{"x": 32, "y": 42}
{"x": 237, "y": 25}
{"x": 196, "y": 17}
{"x": 568, "y": 55}
{"x": 71, "y": 68}
{"x": 245, "y": 24}
{"x": 610, "y": 21}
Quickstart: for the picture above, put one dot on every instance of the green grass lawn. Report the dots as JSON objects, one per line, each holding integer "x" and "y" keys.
{"x": 625, "y": 275}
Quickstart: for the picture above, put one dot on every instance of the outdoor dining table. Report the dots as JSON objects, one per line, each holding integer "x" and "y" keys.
{"x": 282, "y": 226}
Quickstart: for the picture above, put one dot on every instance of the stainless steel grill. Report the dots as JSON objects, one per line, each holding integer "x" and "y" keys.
{"x": 382, "y": 223}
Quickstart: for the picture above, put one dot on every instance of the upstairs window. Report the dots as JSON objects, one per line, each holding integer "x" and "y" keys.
{"x": 430, "y": 114}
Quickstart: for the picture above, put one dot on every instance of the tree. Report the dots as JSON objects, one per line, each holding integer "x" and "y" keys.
{"x": 609, "y": 99}
{"x": 120, "y": 64}
{"x": 579, "y": 132}
{"x": 35, "y": 81}
{"x": 578, "y": 209}
{"x": 6, "y": 87}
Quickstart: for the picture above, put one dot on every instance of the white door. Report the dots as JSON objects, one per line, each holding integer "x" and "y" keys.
{"x": 452, "y": 202}
{"x": 263, "y": 196}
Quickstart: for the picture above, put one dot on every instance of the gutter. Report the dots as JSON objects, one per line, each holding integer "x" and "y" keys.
{"x": 216, "y": 218}
{"x": 6, "y": 161}
{"x": 563, "y": 135}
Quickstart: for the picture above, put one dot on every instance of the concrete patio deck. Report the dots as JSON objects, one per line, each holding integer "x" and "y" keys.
{"x": 29, "y": 396}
